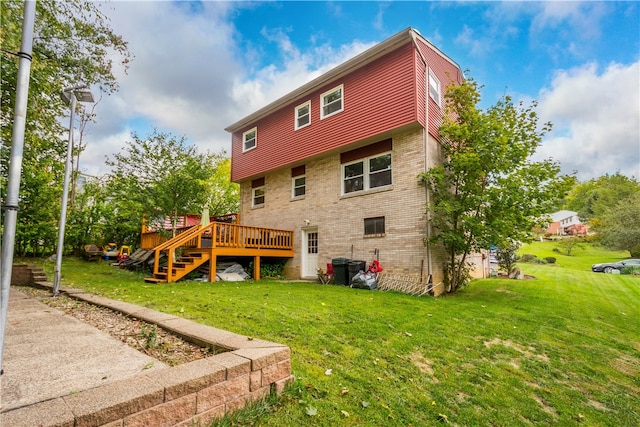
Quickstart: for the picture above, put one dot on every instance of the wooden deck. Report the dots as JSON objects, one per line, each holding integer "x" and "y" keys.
{"x": 200, "y": 244}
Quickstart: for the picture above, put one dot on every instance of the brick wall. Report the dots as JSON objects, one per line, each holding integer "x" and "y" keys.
{"x": 340, "y": 219}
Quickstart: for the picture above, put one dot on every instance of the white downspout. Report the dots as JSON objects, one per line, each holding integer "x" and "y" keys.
{"x": 427, "y": 165}
{"x": 427, "y": 156}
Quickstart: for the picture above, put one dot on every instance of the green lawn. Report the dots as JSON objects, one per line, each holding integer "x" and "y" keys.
{"x": 561, "y": 349}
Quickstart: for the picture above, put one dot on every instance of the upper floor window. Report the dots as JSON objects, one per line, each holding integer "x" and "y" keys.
{"x": 434, "y": 87}
{"x": 331, "y": 102}
{"x": 249, "y": 139}
{"x": 368, "y": 173}
{"x": 298, "y": 182}
{"x": 303, "y": 115}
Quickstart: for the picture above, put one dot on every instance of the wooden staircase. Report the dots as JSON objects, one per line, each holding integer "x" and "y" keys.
{"x": 177, "y": 267}
{"x": 189, "y": 261}
{"x": 200, "y": 244}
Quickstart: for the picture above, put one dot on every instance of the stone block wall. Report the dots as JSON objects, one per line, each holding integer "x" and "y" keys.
{"x": 190, "y": 394}
{"x": 26, "y": 274}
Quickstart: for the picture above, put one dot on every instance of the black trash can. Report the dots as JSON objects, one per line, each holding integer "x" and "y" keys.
{"x": 340, "y": 271}
{"x": 354, "y": 267}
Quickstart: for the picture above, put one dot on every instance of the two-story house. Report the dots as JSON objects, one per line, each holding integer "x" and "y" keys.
{"x": 337, "y": 160}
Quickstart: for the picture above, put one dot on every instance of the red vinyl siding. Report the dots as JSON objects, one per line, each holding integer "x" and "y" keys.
{"x": 378, "y": 97}
{"x": 446, "y": 72}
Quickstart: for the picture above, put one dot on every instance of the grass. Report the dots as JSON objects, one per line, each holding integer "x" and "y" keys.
{"x": 562, "y": 349}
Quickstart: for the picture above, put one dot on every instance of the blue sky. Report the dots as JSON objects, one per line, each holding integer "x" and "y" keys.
{"x": 201, "y": 66}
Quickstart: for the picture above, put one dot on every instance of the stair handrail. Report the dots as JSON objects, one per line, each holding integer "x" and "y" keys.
{"x": 175, "y": 242}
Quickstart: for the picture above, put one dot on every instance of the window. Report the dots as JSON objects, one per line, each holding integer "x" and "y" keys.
{"x": 303, "y": 115}
{"x": 368, "y": 173}
{"x": 374, "y": 226}
{"x": 298, "y": 182}
{"x": 257, "y": 193}
{"x": 249, "y": 139}
{"x": 258, "y": 197}
{"x": 380, "y": 171}
{"x": 331, "y": 102}
{"x": 434, "y": 87}
{"x": 299, "y": 186}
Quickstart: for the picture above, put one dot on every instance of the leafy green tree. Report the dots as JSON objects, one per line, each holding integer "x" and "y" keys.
{"x": 507, "y": 254}
{"x": 163, "y": 177}
{"x": 86, "y": 221}
{"x": 72, "y": 44}
{"x": 619, "y": 227}
{"x": 487, "y": 191}
{"x": 224, "y": 195}
{"x": 570, "y": 244}
{"x": 594, "y": 198}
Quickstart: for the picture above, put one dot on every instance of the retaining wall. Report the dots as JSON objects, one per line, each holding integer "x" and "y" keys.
{"x": 190, "y": 394}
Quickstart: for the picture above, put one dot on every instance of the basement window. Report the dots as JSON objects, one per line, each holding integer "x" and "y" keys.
{"x": 374, "y": 227}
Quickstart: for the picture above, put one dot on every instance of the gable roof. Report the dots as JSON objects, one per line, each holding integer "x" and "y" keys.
{"x": 358, "y": 61}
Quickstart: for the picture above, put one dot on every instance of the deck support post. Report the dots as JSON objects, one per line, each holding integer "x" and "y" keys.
{"x": 212, "y": 267}
{"x": 256, "y": 267}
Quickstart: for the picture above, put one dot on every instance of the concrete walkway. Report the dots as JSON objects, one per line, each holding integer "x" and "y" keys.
{"x": 49, "y": 354}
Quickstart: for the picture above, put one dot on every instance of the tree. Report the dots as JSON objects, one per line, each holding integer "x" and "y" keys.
{"x": 72, "y": 44}
{"x": 507, "y": 254}
{"x": 163, "y": 177}
{"x": 487, "y": 191}
{"x": 594, "y": 198}
{"x": 224, "y": 195}
{"x": 620, "y": 226}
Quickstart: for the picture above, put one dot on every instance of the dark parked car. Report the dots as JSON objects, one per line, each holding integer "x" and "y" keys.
{"x": 608, "y": 267}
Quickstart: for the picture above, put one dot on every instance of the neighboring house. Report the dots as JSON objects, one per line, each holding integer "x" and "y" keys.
{"x": 337, "y": 160}
{"x": 566, "y": 222}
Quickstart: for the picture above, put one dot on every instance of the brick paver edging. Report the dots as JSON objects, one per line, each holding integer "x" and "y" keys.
{"x": 189, "y": 394}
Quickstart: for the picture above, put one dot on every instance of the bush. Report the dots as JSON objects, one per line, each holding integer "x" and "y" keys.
{"x": 534, "y": 259}
{"x": 550, "y": 260}
{"x": 527, "y": 258}
{"x": 506, "y": 255}
{"x": 630, "y": 269}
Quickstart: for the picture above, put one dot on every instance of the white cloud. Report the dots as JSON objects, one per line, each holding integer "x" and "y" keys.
{"x": 596, "y": 118}
{"x": 189, "y": 76}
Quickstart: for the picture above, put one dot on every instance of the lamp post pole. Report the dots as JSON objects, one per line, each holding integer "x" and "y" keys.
{"x": 65, "y": 187}
{"x": 10, "y": 207}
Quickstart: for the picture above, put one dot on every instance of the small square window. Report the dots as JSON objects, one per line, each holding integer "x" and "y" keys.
{"x": 303, "y": 115}
{"x": 249, "y": 139}
{"x": 374, "y": 226}
{"x": 331, "y": 102}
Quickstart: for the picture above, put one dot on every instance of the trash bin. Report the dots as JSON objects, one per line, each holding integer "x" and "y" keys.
{"x": 340, "y": 271}
{"x": 354, "y": 267}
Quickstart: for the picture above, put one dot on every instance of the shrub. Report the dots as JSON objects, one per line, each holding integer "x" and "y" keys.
{"x": 630, "y": 269}
{"x": 550, "y": 260}
{"x": 527, "y": 258}
{"x": 506, "y": 255}
{"x": 533, "y": 259}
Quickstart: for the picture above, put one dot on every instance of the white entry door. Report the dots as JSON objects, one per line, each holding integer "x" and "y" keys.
{"x": 310, "y": 253}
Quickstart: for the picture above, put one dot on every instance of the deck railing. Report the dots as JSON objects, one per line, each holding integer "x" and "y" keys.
{"x": 222, "y": 235}
{"x": 242, "y": 236}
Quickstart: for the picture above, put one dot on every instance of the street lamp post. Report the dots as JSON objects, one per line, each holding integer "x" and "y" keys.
{"x": 70, "y": 96}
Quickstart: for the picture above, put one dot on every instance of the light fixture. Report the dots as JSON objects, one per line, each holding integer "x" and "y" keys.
{"x": 70, "y": 96}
